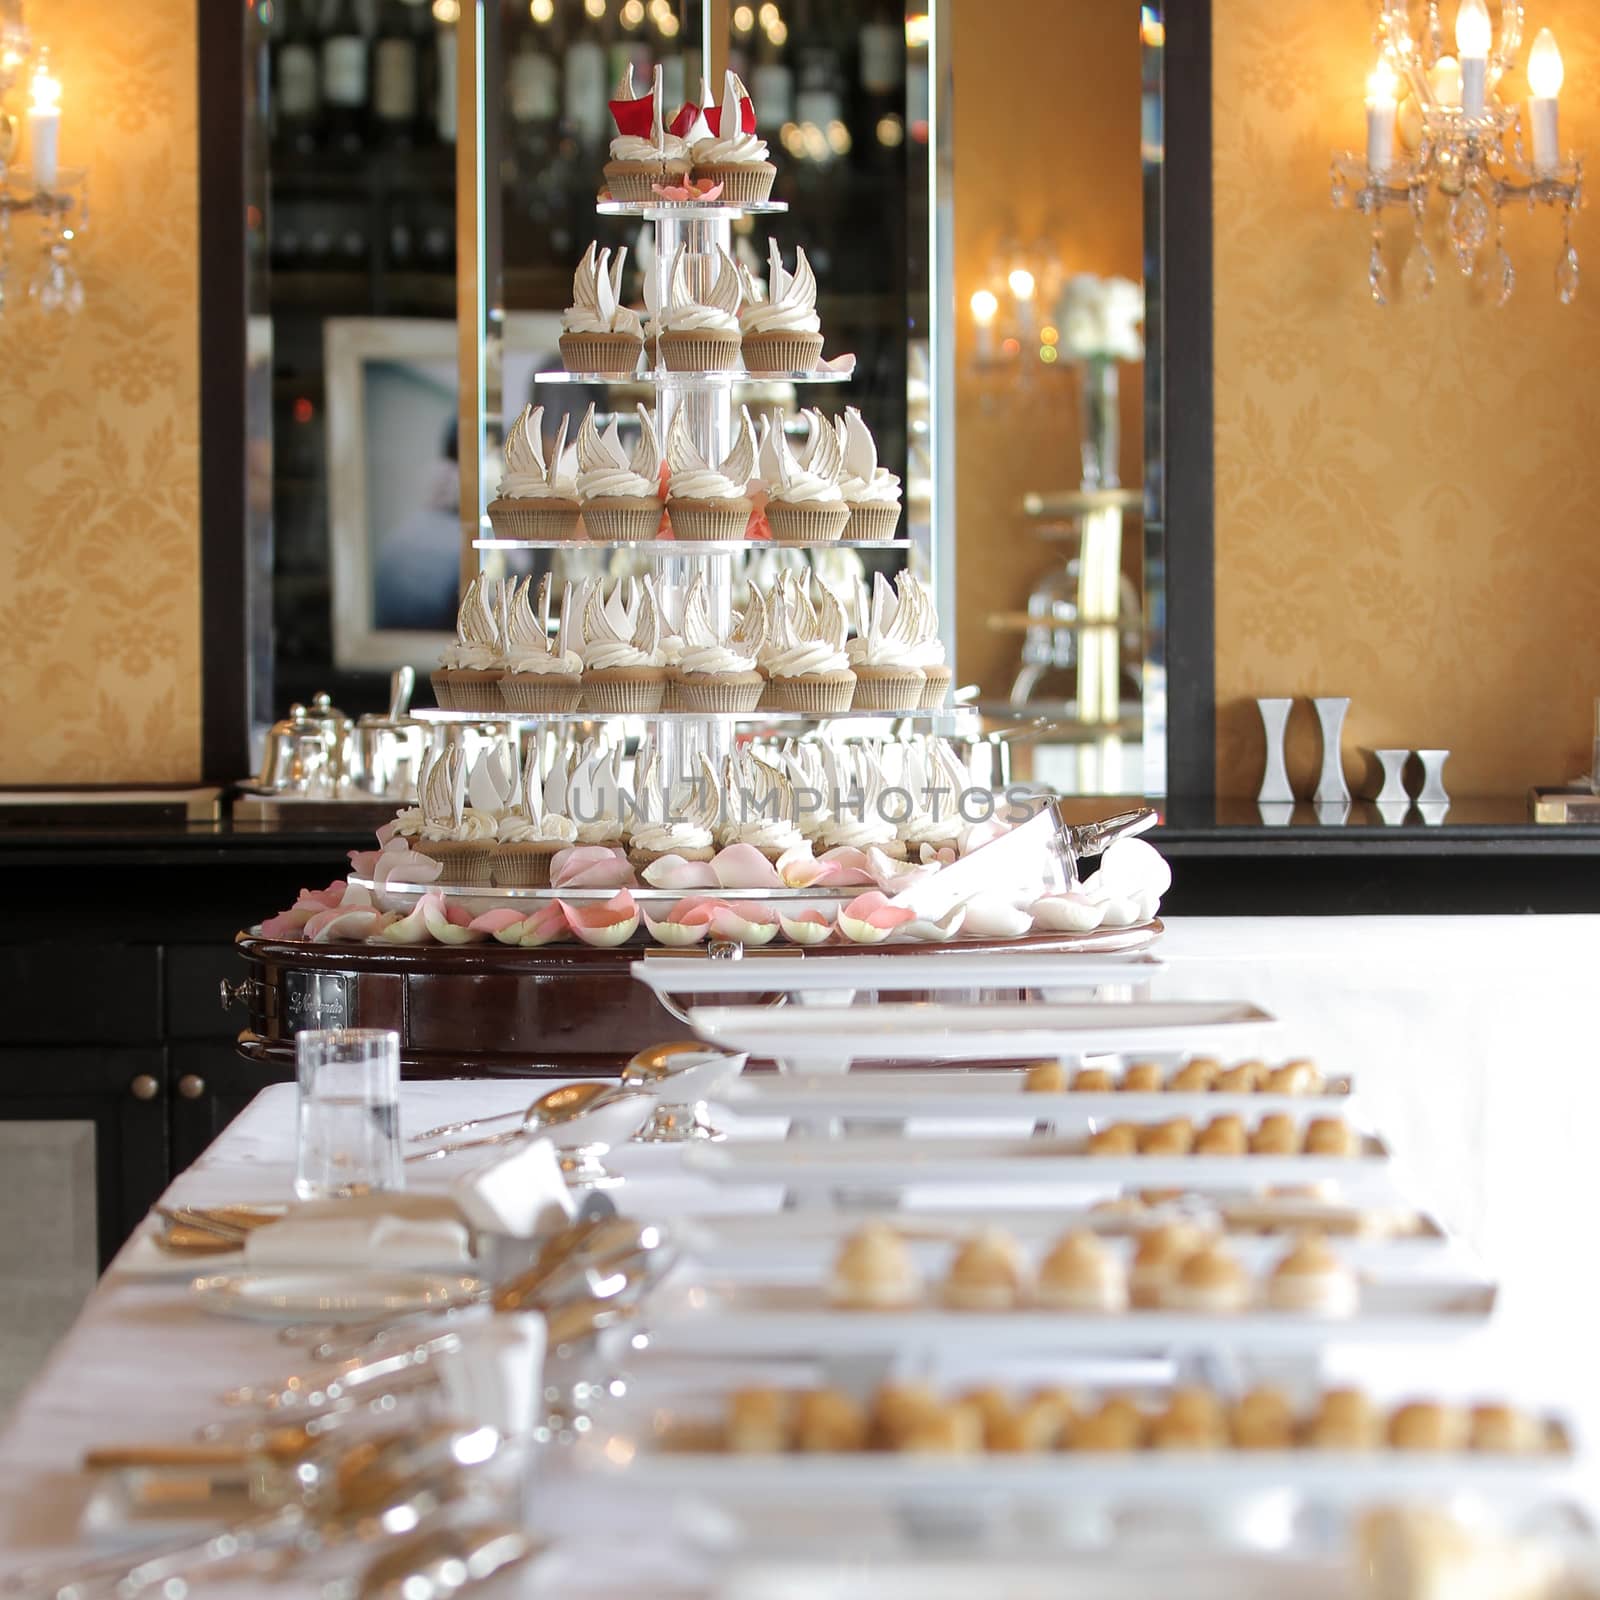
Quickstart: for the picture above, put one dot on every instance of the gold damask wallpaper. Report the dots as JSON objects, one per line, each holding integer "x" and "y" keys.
{"x": 1404, "y": 495}
{"x": 99, "y": 448}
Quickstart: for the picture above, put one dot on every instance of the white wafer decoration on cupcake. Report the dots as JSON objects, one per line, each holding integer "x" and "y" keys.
{"x": 646, "y": 459}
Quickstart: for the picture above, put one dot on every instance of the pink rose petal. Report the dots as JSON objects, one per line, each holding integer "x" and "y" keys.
{"x": 750, "y": 922}
{"x": 807, "y": 927}
{"x": 938, "y": 855}
{"x": 286, "y": 925}
{"x": 590, "y": 866}
{"x": 449, "y": 924}
{"x": 613, "y": 923}
{"x": 848, "y": 868}
{"x": 742, "y": 866}
{"x": 1067, "y": 913}
{"x": 548, "y": 925}
{"x": 363, "y": 863}
{"x": 387, "y": 831}
{"x": 497, "y": 921}
{"x": 673, "y": 872}
{"x": 991, "y": 916}
{"x": 922, "y": 930}
{"x": 411, "y": 928}
{"x": 870, "y": 919}
{"x": 353, "y": 923}
{"x": 328, "y": 898}
{"x": 800, "y": 869}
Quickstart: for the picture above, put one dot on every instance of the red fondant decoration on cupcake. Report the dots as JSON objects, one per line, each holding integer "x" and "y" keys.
{"x": 632, "y": 116}
{"x": 747, "y": 116}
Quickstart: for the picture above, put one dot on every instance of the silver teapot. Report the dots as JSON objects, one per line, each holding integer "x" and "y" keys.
{"x": 307, "y": 752}
{"x": 387, "y": 749}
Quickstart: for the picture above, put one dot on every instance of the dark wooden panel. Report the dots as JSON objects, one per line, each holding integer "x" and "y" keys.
{"x": 194, "y": 975}
{"x": 80, "y": 993}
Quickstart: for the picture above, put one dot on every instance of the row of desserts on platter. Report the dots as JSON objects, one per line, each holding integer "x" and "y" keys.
{"x": 1177, "y": 1267}
{"x": 863, "y": 815}
{"x": 830, "y": 487}
{"x": 700, "y": 152}
{"x": 622, "y": 651}
{"x": 914, "y": 1418}
{"x": 1198, "y": 1075}
{"x": 717, "y": 313}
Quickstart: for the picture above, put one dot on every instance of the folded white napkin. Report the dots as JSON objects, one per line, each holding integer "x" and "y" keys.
{"x": 497, "y": 1376}
{"x": 398, "y": 1230}
{"x": 522, "y": 1195}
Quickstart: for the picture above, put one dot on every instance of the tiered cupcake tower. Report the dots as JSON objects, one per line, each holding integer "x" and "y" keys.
{"x": 691, "y": 190}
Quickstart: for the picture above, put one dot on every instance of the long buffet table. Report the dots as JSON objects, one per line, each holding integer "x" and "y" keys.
{"x": 1474, "y": 1040}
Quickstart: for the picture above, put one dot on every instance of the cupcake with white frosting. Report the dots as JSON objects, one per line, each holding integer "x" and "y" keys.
{"x": 644, "y": 153}
{"x": 461, "y": 838}
{"x": 698, "y": 328}
{"x": 802, "y": 655}
{"x": 623, "y": 671}
{"x": 871, "y": 492}
{"x": 599, "y": 333}
{"x": 858, "y": 817}
{"x": 882, "y": 654}
{"x": 618, "y": 493}
{"x": 468, "y": 675}
{"x": 803, "y": 498}
{"x": 936, "y": 781}
{"x": 538, "y": 673}
{"x": 537, "y": 496}
{"x": 706, "y": 501}
{"x": 713, "y": 673}
{"x": 594, "y": 795}
{"x": 928, "y": 647}
{"x": 680, "y": 824}
{"x": 758, "y": 808}
{"x": 733, "y": 156}
{"x": 528, "y": 836}
{"x": 780, "y": 330}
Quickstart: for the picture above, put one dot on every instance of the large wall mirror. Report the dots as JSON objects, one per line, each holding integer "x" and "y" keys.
{"x": 420, "y": 186}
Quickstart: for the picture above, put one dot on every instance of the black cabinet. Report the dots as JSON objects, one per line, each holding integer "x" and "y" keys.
{"x": 210, "y": 1087}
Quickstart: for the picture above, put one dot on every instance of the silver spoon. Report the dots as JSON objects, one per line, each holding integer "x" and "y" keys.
{"x": 548, "y": 1111}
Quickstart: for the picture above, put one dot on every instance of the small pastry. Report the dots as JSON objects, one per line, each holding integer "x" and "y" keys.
{"x": 759, "y": 1421}
{"x": 1313, "y": 1280}
{"x": 874, "y": 1271}
{"x": 1117, "y": 1426}
{"x": 1160, "y": 1253}
{"x": 1092, "y": 1080}
{"x": 1033, "y": 1427}
{"x": 1209, "y": 1281}
{"x": 1045, "y": 1077}
{"x": 1242, "y": 1079}
{"x": 1174, "y": 1137}
{"x": 987, "y": 1274}
{"x": 1141, "y": 1077}
{"x": 805, "y": 504}
{"x": 1194, "y": 1077}
{"x": 1120, "y": 1139}
{"x": 898, "y": 1409}
{"x": 1293, "y": 1077}
{"x": 1425, "y": 1425}
{"x": 1192, "y": 1420}
{"x": 1331, "y": 1136}
{"x": 1222, "y": 1136}
{"x": 1080, "y": 1274}
{"x": 1275, "y": 1135}
{"x": 952, "y": 1431}
{"x": 873, "y": 496}
{"x": 828, "y": 1422}
{"x": 644, "y": 154}
{"x": 993, "y": 1406}
{"x": 807, "y": 669}
{"x": 1119, "y": 1213}
{"x": 708, "y": 499}
{"x": 1344, "y": 1420}
{"x": 779, "y": 329}
{"x": 624, "y": 670}
{"x": 598, "y": 333}
{"x": 1262, "y": 1420}
{"x": 1503, "y": 1430}
{"x": 537, "y": 496}
{"x": 733, "y": 157}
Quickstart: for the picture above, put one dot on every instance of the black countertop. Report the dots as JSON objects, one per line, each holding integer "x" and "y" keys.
{"x": 1227, "y": 857}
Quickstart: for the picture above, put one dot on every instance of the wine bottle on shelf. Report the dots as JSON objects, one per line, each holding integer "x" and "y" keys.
{"x": 584, "y": 89}
{"x": 772, "y": 84}
{"x": 396, "y": 64}
{"x": 344, "y": 77}
{"x": 297, "y": 104}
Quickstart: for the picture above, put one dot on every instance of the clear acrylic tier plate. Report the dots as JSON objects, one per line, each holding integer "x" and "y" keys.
{"x": 663, "y": 378}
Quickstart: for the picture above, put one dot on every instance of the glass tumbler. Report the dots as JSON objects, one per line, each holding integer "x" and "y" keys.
{"x": 349, "y": 1133}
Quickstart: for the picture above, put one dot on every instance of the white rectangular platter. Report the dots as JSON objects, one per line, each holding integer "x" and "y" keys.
{"x": 1328, "y": 1477}
{"x": 995, "y": 1092}
{"x": 772, "y": 1319}
{"x": 793, "y": 972}
{"x": 877, "y": 1162}
{"x": 956, "y": 1031}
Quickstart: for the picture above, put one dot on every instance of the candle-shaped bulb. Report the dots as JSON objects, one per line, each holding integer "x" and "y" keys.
{"x": 44, "y": 122}
{"x": 1473, "y": 33}
{"x": 1021, "y": 281}
{"x": 46, "y": 91}
{"x": 984, "y": 307}
{"x": 1545, "y": 71}
{"x": 1382, "y": 84}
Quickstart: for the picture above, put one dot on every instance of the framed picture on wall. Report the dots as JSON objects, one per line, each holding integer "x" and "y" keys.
{"x": 394, "y": 527}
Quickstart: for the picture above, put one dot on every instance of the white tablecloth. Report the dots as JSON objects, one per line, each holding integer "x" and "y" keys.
{"x": 1475, "y": 1038}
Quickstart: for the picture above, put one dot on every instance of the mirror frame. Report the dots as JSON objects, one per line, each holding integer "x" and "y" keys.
{"x": 228, "y": 679}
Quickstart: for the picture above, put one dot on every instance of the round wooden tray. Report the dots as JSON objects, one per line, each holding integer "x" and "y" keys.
{"x": 493, "y": 1010}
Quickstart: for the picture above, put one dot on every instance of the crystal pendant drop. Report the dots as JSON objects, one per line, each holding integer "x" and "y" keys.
{"x": 1567, "y": 276}
{"x": 1469, "y": 227}
{"x": 1502, "y": 275}
{"x": 1378, "y": 275}
{"x": 1418, "y": 274}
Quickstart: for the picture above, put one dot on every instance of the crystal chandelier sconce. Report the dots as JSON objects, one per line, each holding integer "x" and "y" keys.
{"x": 33, "y": 183}
{"x": 1014, "y": 323}
{"x": 1439, "y": 121}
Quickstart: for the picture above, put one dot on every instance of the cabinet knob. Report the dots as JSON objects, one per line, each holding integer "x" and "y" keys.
{"x": 191, "y": 1086}
{"x": 144, "y": 1087}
